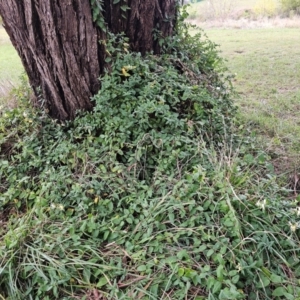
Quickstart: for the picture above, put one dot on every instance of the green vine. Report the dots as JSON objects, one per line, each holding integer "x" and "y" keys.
{"x": 97, "y": 10}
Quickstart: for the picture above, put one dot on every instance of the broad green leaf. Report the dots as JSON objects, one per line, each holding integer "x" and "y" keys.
{"x": 180, "y": 272}
{"x": 275, "y": 278}
{"x": 263, "y": 281}
{"x": 217, "y": 287}
{"x": 102, "y": 282}
{"x": 142, "y": 268}
{"x": 219, "y": 271}
{"x": 279, "y": 292}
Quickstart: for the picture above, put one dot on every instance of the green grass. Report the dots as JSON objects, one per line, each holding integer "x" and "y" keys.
{"x": 267, "y": 67}
{"x": 10, "y": 65}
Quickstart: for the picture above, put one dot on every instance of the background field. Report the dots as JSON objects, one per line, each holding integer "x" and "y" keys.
{"x": 267, "y": 67}
{"x": 10, "y": 65}
{"x": 231, "y": 9}
{"x": 242, "y": 14}
{"x": 262, "y": 51}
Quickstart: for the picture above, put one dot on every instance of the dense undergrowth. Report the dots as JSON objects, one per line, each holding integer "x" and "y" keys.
{"x": 155, "y": 194}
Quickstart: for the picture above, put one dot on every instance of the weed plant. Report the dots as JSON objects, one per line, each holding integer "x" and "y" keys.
{"x": 152, "y": 195}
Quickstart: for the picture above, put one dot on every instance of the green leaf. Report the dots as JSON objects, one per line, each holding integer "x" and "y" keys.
{"x": 219, "y": 271}
{"x": 279, "y": 292}
{"x": 171, "y": 217}
{"x": 180, "y": 272}
{"x": 202, "y": 248}
{"x": 129, "y": 220}
{"x": 232, "y": 273}
{"x": 142, "y": 268}
{"x": 263, "y": 282}
{"x": 210, "y": 252}
{"x": 206, "y": 268}
{"x": 171, "y": 260}
{"x": 102, "y": 282}
{"x": 248, "y": 158}
{"x": 108, "y": 59}
{"x": 124, "y": 8}
{"x": 275, "y": 278}
{"x": 87, "y": 274}
{"x": 182, "y": 254}
{"x": 235, "y": 279}
{"x": 217, "y": 287}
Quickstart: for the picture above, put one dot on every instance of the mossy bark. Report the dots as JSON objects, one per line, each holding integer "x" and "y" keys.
{"x": 58, "y": 43}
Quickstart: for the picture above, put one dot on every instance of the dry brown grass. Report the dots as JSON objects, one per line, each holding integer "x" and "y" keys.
{"x": 245, "y": 23}
{"x": 5, "y": 87}
{"x": 241, "y": 14}
{"x": 7, "y": 98}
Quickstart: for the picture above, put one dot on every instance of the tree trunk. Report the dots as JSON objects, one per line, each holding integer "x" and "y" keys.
{"x": 58, "y": 43}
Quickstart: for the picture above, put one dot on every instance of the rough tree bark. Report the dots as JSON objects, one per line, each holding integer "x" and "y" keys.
{"x": 58, "y": 43}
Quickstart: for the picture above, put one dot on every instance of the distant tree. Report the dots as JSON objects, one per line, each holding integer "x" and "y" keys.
{"x": 291, "y": 6}
{"x": 59, "y": 42}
